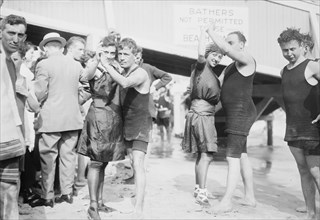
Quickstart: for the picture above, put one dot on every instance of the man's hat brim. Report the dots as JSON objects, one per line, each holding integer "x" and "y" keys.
{"x": 45, "y": 41}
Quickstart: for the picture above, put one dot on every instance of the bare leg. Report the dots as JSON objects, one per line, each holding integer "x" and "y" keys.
{"x": 100, "y": 184}
{"x": 203, "y": 166}
{"x": 197, "y": 168}
{"x": 140, "y": 180}
{"x": 246, "y": 173}
{"x": 202, "y": 171}
{"x": 168, "y": 129}
{"x": 93, "y": 185}
{"x": 161, "y": 132}
{"x": 313, "y": 162}
{"x": 307, "y": 181}
{"x": 225, "y": 204}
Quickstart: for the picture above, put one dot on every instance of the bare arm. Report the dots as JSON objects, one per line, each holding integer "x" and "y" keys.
{"x": 314, "y": 67}
{"x": 135, "y": 79}
{"x": 236, "y": 55}
{"x": 202, "y": 46}
{"x": 90, "y": 70}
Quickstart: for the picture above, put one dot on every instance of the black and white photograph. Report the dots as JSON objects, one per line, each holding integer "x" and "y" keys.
{"x": 160, "y": 109}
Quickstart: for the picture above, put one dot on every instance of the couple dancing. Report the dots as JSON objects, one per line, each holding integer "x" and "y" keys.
{"x": 117, "y": 120}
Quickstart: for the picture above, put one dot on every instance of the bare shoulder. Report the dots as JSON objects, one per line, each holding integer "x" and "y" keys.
{"x": 246, "y": 68}
{"x": 313, "y": 70}
{"x": 141, "y": 72}
{"x": 314, "y": 65}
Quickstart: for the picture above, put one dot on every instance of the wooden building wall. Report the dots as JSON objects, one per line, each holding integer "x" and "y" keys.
{"x": 152, "y": 21}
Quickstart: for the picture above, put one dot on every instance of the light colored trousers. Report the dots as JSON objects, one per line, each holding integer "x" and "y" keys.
{"x": 50, "y": 146}
{"x": 9, "y": 201}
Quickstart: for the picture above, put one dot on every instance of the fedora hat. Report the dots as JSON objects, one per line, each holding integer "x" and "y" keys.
{"x": 53, "y": 36}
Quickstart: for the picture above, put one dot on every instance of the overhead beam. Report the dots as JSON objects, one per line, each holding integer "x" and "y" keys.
{"x": 261, "y": 106}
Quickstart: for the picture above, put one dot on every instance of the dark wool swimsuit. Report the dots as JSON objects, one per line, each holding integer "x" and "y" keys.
{"x": 236, "y": 99}
{"x": 302, "y": 104}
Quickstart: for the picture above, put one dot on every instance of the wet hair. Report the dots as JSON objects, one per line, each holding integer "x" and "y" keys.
{"x": 74, "y": 39}
{"x": 240, "y": 35}
{"x": 13, "y": 20}
{"x": 115, "y": 34}
{"x": 212, "y": 47}
{"x": 307, "y": 40}
{"x": 109, "y": 41}
{"x": 129, "y": 43}
{"x": 290, "y": 34}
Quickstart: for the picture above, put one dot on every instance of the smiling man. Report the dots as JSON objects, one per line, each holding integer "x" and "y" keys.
{"x": 301, "y": 95}
{"x": 12, "y": 145}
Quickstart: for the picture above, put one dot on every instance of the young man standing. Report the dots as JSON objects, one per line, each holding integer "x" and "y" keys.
{"x": 236, "y": 99}
{"x": 75, "y": 48}
{"x": 134, "y": 100}
{"x": 12, "y": 145}
{"x": 301, "y": 95}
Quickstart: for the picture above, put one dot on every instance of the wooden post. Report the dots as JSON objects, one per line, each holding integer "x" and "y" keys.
{"x": 269, "y": 132}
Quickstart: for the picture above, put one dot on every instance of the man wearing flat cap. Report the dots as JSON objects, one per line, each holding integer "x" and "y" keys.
{"x": 56, "y": 88}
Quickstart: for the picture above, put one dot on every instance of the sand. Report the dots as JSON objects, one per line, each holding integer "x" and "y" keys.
{"x": 170, "y": 183}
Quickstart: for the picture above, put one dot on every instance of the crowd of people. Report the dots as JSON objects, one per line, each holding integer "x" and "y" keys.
{"x": 44, "y": 126}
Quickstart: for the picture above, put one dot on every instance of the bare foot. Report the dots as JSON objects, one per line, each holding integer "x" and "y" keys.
{"x": 311, "y": 217}
{"x": 222, "y": 207}
{"x": 249, "y": 202}
{"x": 137, "y": 215}
{"x": 301, "y": 209}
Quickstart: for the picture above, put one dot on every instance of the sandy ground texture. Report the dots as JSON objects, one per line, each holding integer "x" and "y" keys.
{"x": 170, "y": 184}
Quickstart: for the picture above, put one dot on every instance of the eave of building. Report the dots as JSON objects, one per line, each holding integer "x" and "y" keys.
{"x": 145, "y": 43}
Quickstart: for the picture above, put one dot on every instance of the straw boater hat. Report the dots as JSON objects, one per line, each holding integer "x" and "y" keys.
{"x": 53, "y": 36}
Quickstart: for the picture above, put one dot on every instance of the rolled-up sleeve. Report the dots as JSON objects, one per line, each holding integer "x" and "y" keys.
{"x": 41, "y": 82}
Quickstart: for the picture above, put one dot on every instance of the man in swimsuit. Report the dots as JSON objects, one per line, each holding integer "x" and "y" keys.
{"x": 236, "y": 99}
{"x": 134, "y": 100}
{"x": 301, "y": 95}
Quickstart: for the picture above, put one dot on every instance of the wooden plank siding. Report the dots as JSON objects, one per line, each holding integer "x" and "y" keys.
{"x": 152, "y": 21}
{"x": 87, "y": 13}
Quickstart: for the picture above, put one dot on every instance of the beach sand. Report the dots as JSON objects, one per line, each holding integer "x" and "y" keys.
{"x": 170, "y": 184}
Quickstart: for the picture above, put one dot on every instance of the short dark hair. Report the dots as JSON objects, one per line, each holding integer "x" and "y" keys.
{"x": 75, "y": 39}
{"x": 130, "y": 43}
{"x": 13, "y": 20}
{"x": 308, "y": 41}
{"x": 290, "y": 34}
{"x": 240, "y": 35}
{"x": 109, "y": 41}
